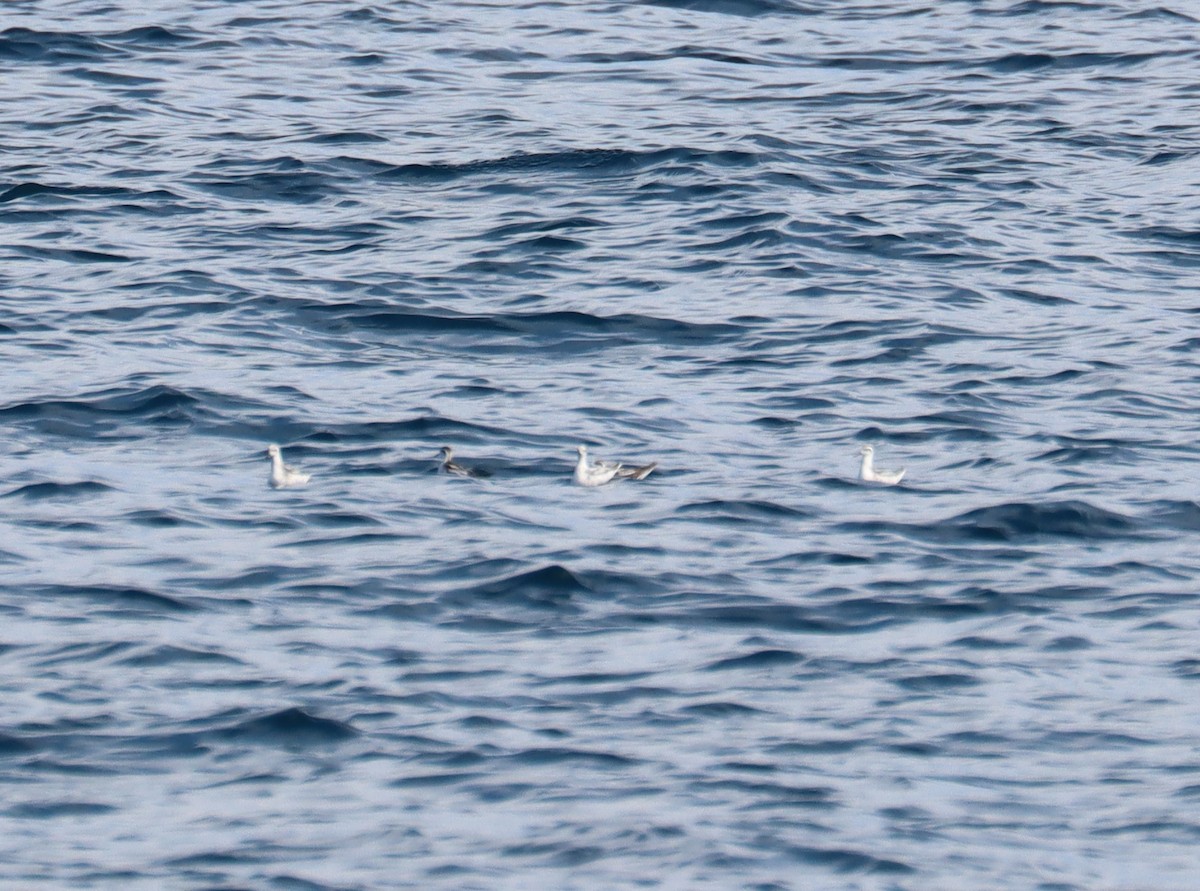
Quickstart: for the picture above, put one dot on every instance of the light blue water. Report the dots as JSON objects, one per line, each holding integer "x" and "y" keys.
{"x": 739, "y": 238}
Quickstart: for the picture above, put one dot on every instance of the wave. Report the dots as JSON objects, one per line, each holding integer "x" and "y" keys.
{"x": 1018, "y": 521}
{"x": 32, "y": 189}
{"x": 550, "y": 587}
{"x": 11, "y": 745}
{"x": 56, "y": 47}
{"x": 283, "y": 179}
{"x": 427, "y": 427}
{"x": 71, "y": 255}
{"x": 121, "y": 597}
{"x": 556, "y": 756}
{"x": 49, "y": 810}
{"x": 159, "y": 519}
{"x": 542, "y": 327}
{"x": 760, "y": 616}
{"x": 149, "y": 401}
{"x": 1014, "y": 63}
{"x": 172, "y": 655}
{"x": 1181, "y": 515}
{"x": 741, "y": 8}
{"x": 55, "y": 491}
{"x": 759, "y": 659}
{"x": 843, "y": 860}
{"x": 937, "y": 683}
{"x": 745, "y": 511}
{"x": 589, "y": 162}
{"x": 1065, "y": 519}
{"x": 291, "y": 727}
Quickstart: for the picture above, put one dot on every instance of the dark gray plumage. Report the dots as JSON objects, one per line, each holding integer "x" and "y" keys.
{"x": 449, "y": 465}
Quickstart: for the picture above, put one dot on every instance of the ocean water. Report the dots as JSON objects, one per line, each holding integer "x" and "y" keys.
{"x": 741, "y": 238}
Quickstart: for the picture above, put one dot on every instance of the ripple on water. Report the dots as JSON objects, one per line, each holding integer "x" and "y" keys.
{"x": 738, "y": 237}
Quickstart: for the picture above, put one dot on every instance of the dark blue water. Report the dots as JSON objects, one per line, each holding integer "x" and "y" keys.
{"x": 738, "y": 237}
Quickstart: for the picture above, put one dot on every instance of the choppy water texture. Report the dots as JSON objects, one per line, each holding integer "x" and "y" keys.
{"x": 738, "y": 237}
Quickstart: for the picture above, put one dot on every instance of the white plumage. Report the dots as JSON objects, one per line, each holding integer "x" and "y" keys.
{"x": 871, "y": 475}
{"x": 598, "y": 472}
{"x": 283, "y": 476}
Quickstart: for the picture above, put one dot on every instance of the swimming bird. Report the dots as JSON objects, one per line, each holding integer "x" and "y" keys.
{"x": 283, "y": 476}
{"x": 598, "y": 472}
{"x": 449, "y": 465}
{"x": 871, "y": 475}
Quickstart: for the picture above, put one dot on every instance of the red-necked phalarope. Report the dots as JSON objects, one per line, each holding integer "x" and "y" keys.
{"x": 600, "y": 472}
{"x": 871, "y": 475}
{"x": 283, "y": 476}
{"x": 449, "y": 465}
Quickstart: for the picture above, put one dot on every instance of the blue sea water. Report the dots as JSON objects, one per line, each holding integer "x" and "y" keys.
{"x": 738, "y": 237}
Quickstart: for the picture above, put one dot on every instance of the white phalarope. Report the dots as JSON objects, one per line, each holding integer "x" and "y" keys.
{"x": 597, "y": 473}
{"x": 283, "y": 476}
{"x": 871, "y": 475}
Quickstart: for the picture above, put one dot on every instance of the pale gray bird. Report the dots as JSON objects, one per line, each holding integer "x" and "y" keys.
{"x": 871, "y": 475}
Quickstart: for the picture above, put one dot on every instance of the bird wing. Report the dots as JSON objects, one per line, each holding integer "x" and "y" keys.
{"x": 637, "y": 473}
